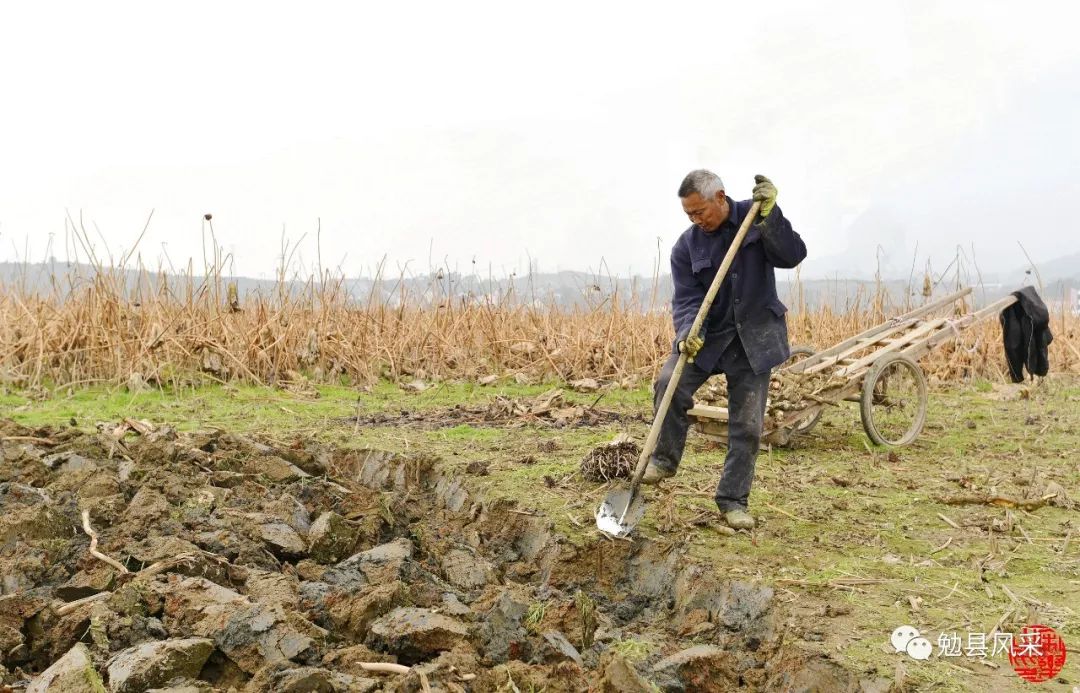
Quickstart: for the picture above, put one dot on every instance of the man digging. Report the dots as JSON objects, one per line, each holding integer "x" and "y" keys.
{"x": 744, "y": 336}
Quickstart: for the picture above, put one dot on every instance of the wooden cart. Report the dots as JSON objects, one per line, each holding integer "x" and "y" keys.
{"x": 877, "y": 368}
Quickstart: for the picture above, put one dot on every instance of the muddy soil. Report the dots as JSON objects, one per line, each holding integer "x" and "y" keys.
{"x": 225, "y": 563}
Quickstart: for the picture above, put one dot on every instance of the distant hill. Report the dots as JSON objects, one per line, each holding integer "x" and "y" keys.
{"x": 564, "y": 288}
{"x": 1063, "y": 269}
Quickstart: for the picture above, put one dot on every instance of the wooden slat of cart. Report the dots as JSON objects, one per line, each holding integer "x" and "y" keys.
{"x": 897, "y": 329}
{"x": 952, "y": 329}
{"x": 872, "y": 335}
{"x": 863, "y": 364}
{"x": 709, "y": 412}
{"x": 717, "y": 430}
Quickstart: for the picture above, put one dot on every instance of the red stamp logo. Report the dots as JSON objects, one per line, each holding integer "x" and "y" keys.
{"x": 1037, "y": 653}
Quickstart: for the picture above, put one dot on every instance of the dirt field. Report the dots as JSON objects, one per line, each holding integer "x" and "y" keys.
{"x": 273, "y": 539}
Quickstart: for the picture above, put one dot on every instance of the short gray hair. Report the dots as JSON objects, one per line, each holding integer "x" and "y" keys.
{"x": 703, "y": 182}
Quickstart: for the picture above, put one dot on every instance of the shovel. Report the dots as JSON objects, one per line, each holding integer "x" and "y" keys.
{"x": 623, "y": 508}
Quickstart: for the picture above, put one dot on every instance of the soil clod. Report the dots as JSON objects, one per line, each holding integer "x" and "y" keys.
{"x": 251, "y": 565}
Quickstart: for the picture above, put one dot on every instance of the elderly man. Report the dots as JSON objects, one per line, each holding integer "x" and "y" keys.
{"x": 744, "y": 336}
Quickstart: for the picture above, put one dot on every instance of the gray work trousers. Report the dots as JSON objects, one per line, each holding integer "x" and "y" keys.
{"x": 746, "y": 414}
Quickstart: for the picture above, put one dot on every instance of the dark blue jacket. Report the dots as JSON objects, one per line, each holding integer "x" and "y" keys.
{"x": 746, "y": 304}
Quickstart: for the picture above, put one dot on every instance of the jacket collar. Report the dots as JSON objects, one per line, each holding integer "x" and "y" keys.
{"x": 734, "y": 218}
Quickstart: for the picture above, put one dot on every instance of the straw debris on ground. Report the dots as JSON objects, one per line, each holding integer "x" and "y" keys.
{"x": 614, "y": 460}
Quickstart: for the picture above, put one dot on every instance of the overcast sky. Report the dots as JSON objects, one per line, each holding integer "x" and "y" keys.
{"x": 432, "y": 133}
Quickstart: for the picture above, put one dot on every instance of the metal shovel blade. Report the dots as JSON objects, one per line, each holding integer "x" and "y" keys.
{"x": 615, "y": 518}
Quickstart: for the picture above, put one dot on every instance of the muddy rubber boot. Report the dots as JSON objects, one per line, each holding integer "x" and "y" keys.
{"x": 739, "y": 519}
{"x": 654, "y": 475}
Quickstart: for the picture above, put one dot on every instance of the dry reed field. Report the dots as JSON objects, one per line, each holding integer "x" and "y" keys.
{"x": 166, "y": 330}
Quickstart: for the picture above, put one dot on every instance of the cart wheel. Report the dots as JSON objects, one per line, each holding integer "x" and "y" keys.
{"x": 798, "y": 353}
{"x": 893, "y": 403}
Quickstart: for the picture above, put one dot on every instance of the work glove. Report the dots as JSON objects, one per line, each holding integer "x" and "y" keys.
{"x": 765, "y": 193}
{"x": 691, "y": 346}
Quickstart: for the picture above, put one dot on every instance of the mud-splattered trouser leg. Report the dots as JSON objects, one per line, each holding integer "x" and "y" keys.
{"x": 746, "y": 415}
{"x": 672, "y": 440}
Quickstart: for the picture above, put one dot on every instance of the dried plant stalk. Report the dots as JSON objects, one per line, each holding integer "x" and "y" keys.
{"x": 140, "y": 328}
